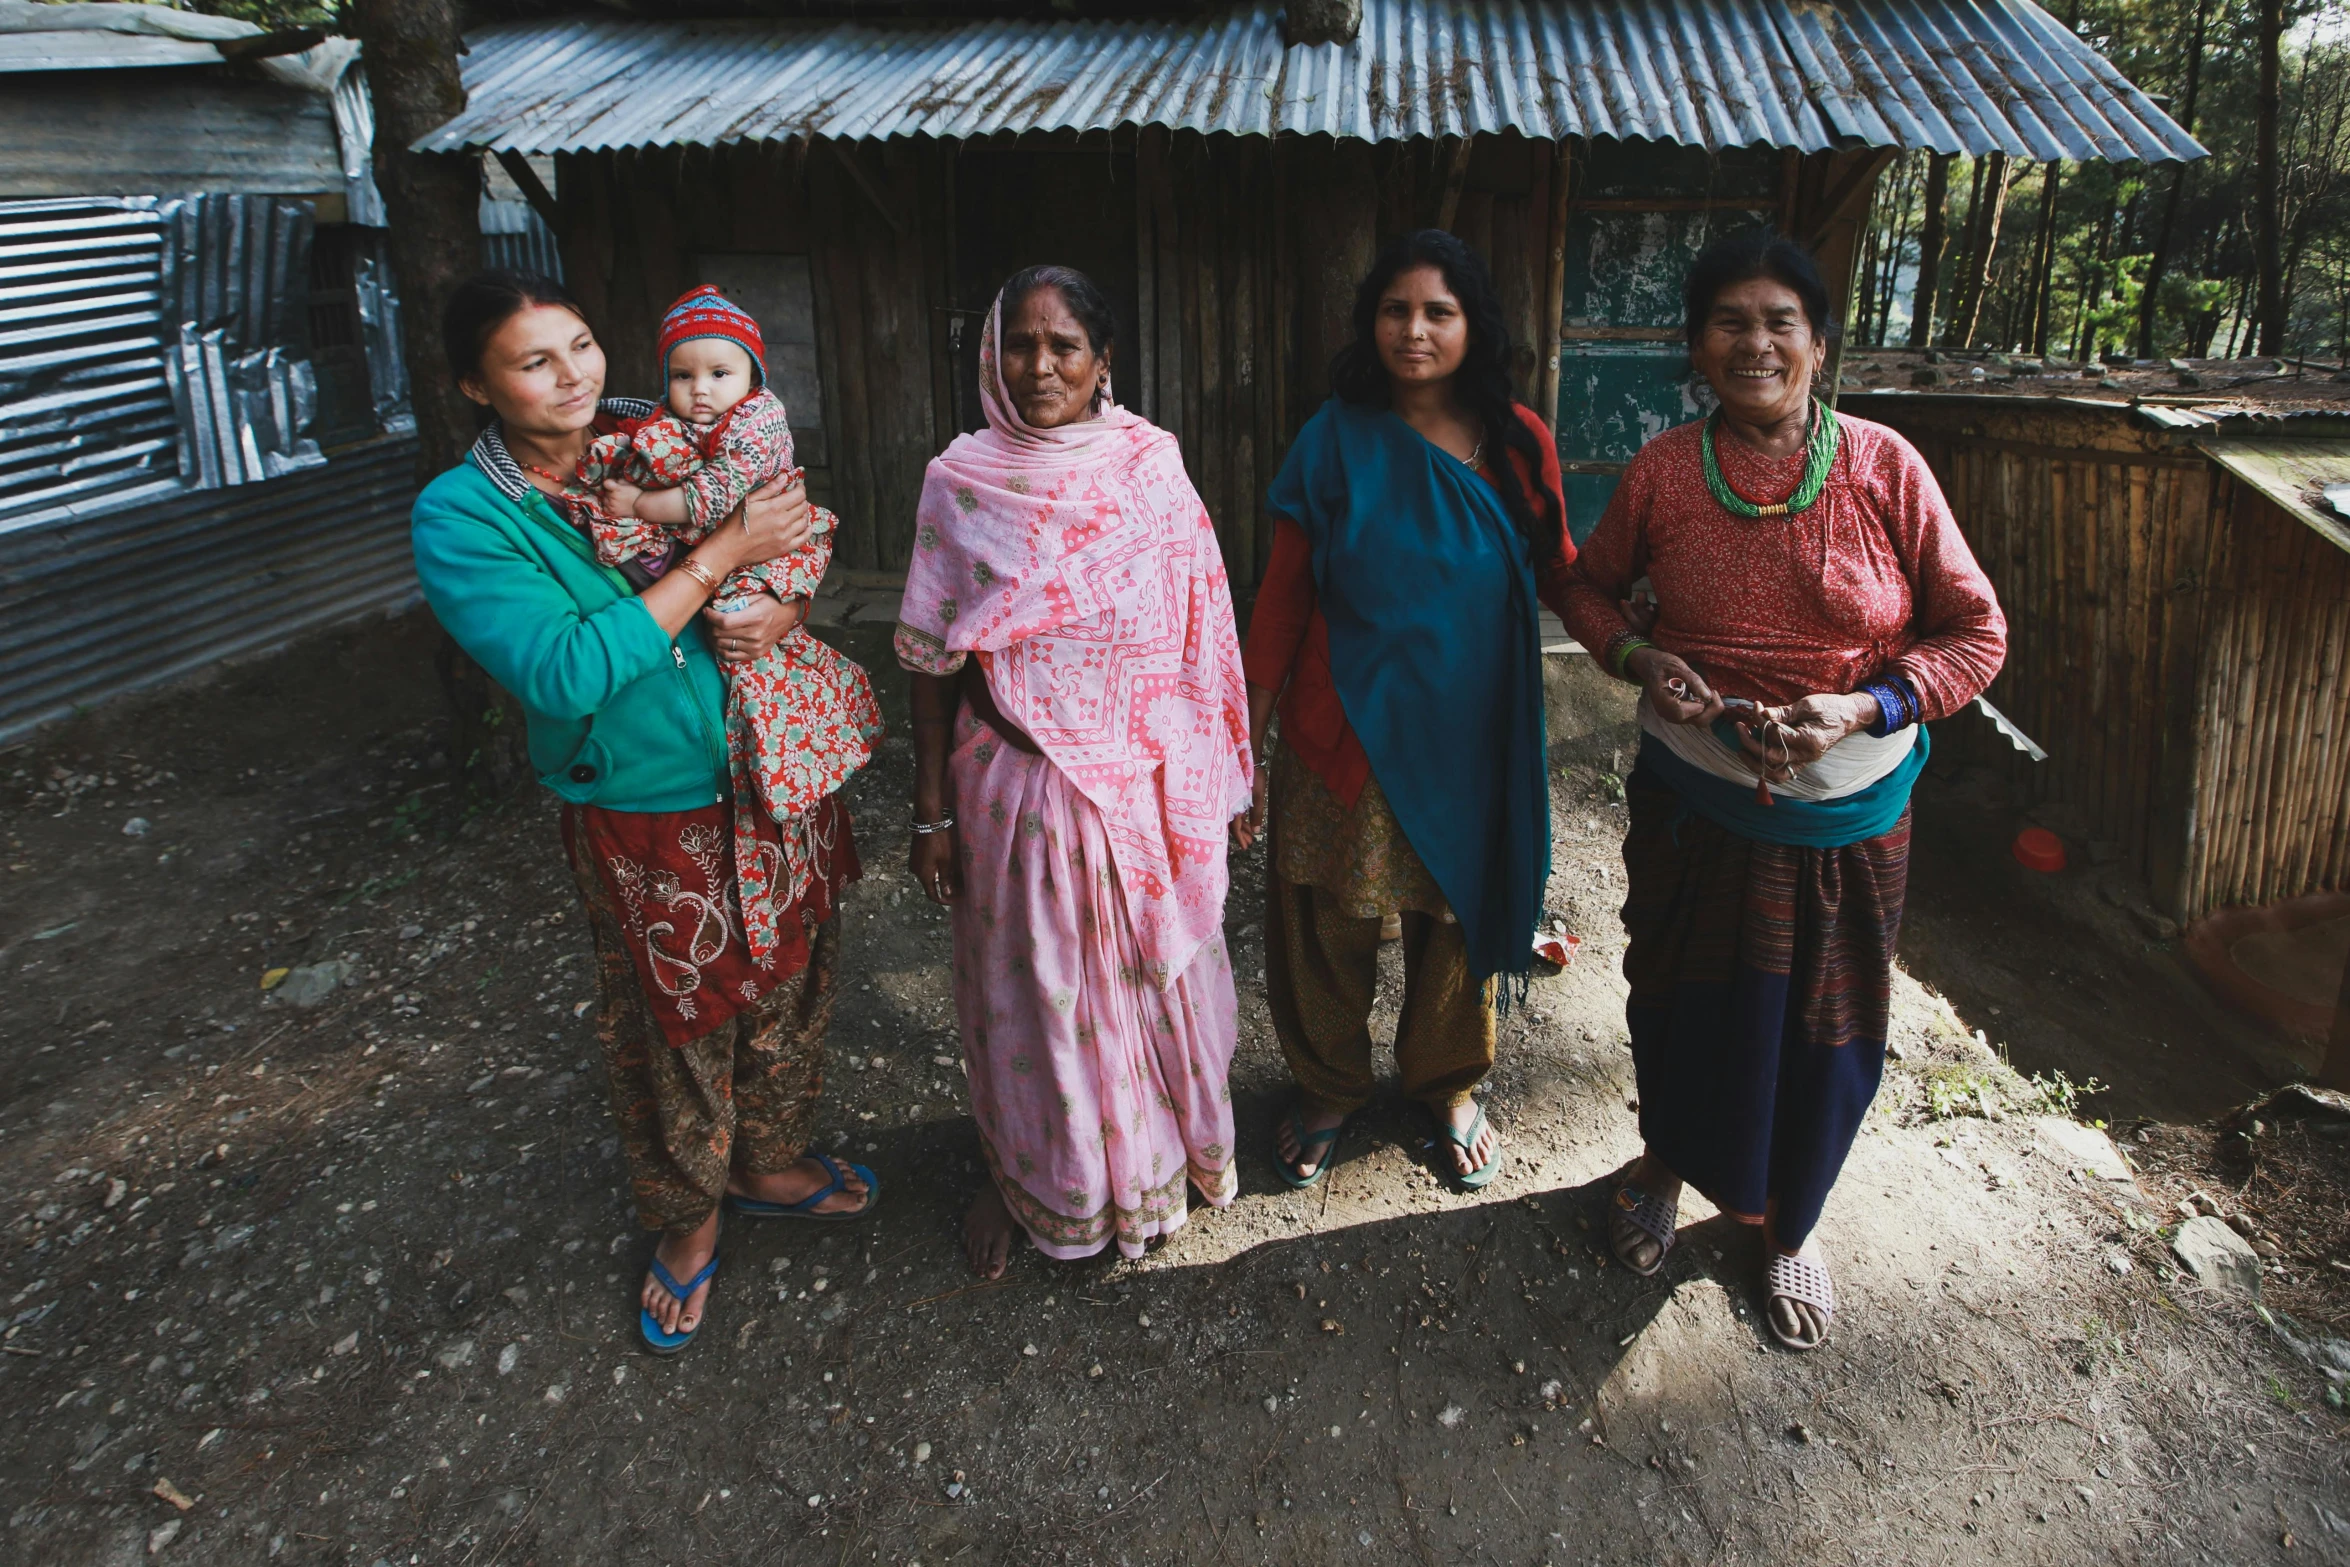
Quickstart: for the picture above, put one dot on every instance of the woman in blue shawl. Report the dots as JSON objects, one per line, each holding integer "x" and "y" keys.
{"x": 1418, "y": 518}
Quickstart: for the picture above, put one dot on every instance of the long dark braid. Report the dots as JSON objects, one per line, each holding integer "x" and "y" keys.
{"x": 1483, "y": 381}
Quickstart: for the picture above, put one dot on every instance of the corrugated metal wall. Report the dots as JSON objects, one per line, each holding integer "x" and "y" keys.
{"x": 230, "y": 571}
{"x": 143, "y": 339}
{"x": 84, "y": 406}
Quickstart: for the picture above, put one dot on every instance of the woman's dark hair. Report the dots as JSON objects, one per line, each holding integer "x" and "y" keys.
{"x": 1082, "y": 294}
{"x": 485, "y": 302}
{"x": 1750, "y": 254}
{"x": 1482, "y": 383}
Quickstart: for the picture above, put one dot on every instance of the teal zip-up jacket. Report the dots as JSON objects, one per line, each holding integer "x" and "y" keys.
{"x": 620, "y": 715}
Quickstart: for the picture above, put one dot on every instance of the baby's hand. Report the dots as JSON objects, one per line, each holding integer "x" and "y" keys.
{"x": 619, "y": 497}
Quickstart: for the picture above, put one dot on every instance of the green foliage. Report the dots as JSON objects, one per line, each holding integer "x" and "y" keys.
{"x": 2106, "y": 221}
{"x": 2057, "y": 1094}
{"x": 1955, "y": 1091}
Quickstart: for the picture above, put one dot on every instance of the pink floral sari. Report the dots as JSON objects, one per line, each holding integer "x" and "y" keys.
{"x": 1091, "y": 980}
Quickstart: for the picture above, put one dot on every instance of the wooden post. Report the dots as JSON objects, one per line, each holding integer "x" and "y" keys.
{"x": 1554, "y": 283}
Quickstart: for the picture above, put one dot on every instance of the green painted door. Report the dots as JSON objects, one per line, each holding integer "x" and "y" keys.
{"x": 1642, "y": 214}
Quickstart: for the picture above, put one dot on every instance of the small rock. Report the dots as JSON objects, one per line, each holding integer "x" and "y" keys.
{"x": 1094, "y": 1370}
{"x": 1028, "y": 1349}
{"x": 454, "y": 1355}
{"x": 116, "y": 1191}
{"x": 411, "y": 932}
{"x": 173, "y": 1494}
{"x": 137, "y": 827}
{"x": 1272, "y": 1404}
{"x": 159, "y": 1538}
{"x": 312, "y": 983}
{"x": 2217, "y": 1255}
{"x": 344, "y": 1345}
{"x": 2118, "y": 1261}
{"x": 1450, "y": 1416}
{"x": 508, "y": 1358}
{"x": 922, "y": 1452}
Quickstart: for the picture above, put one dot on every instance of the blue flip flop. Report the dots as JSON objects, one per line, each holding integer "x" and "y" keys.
{"x": 1481, "y": 1177}
{"x": 805, "y": 1208}
{"x": 1325, "y": 1140}
{"x": 657, "y": 1340}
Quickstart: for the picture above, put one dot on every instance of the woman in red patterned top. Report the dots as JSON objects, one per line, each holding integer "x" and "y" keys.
{"x": 1418, "y": 522}
{"x": 1815, "y": 606}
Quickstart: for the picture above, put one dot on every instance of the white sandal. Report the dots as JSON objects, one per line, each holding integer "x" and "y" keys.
{"x": 1805, "y": 1282}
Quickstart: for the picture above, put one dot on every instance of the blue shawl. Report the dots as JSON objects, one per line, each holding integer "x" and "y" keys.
{"x": 1428, "y": 590}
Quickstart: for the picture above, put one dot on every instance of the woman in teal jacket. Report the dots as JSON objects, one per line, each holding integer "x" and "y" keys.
{"x": 715, "y": 1055}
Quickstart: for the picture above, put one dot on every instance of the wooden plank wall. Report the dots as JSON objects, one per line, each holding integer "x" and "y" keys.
{"x": 2099, "y": 540}
{"x": 1248, "y": 252}
{"x": 869, "y": 220}
{"x": 1251, "y": 252}
{"x": 2273, "y": 702}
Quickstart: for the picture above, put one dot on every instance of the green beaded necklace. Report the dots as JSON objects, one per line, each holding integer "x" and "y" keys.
{"x": 1819, "y": 455}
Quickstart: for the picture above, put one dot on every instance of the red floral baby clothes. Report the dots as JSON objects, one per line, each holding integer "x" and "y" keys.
{"x": 801, "y": 720}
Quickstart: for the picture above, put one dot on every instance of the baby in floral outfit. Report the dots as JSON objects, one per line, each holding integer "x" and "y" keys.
{"x": 802, "y": 719}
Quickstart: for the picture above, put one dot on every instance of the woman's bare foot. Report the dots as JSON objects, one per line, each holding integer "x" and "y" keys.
{"x": 1316, "y": 1119}
{"x": 988, "y": 1229}
{"x": 797, "y": 1182}
{"x": 1635, "y": 1248}
{"x": 1481, "y": 1149}
{"x": 684, "y": 1256}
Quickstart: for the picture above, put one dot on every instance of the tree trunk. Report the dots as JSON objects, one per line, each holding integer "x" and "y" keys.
{"x": 1930, "y": 241}
{"x": 2044, "y": 261}
{"x": 433, "y": 200}
{"x": 434, "y": 203}
{"x": 1961, "y": 262}
{"x": 1984, "y": 249}
{"x": 2159, "y": 263}
{"x": 2268, "y": 182}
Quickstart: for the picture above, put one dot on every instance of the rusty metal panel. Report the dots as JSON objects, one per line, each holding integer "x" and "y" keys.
{"x": 1956, "y": 75}
{"x": 246, "y": 569}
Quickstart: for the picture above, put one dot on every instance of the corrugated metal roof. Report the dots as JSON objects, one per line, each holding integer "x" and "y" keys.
{"x": 2295, "y": 473}
{"x": 1948, "y": 75}
{"x": 319, "y": 548}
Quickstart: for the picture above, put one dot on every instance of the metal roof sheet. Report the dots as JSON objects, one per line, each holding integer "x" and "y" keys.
{"x": 2299, "y": 475}
{"x": 1968, "y": 76}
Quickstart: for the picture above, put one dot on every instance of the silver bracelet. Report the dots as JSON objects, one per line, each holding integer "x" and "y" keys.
{"x": 943, "y": 824}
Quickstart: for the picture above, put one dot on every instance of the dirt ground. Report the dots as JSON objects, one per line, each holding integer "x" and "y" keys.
{"x": 352, "y": 1280}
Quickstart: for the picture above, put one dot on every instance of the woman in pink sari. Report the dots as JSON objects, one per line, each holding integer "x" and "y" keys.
{"x": 1080, "y": 743}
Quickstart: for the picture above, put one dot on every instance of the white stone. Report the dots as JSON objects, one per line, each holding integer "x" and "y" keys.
{"x": 2217, "y": 1255}
{"x": 2086, "y": 1149}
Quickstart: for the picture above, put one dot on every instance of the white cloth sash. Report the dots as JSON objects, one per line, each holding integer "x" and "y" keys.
{"x": 1848, "y": 767}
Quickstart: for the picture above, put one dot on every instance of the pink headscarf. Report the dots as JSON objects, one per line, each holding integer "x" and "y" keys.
{"x": 1081, "y": 567}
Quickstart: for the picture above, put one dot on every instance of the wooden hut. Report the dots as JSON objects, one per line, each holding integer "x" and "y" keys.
{"x": 864, "y": 186}
{"x": 2177, "y": 589}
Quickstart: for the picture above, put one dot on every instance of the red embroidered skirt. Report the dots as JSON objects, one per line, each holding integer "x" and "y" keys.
{"x": 667, "y": 881}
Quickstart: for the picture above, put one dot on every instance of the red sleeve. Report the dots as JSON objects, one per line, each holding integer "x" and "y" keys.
{"x": 1551, "y": 575}
{"x": 1613, "y": 557}
{"x": 1962, "y": 633}
{"x": 1284, "y": 608}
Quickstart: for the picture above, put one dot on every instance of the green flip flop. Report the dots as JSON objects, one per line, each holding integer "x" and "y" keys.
{"x": 1479, "y": 1178}
{"x": 1307, "y": 1142}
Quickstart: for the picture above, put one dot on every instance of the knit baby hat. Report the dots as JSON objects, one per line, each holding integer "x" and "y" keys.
{"x": 704, "y": 312}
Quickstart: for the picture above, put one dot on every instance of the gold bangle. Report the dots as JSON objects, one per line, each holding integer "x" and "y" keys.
{"x": 700, "y": 573}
